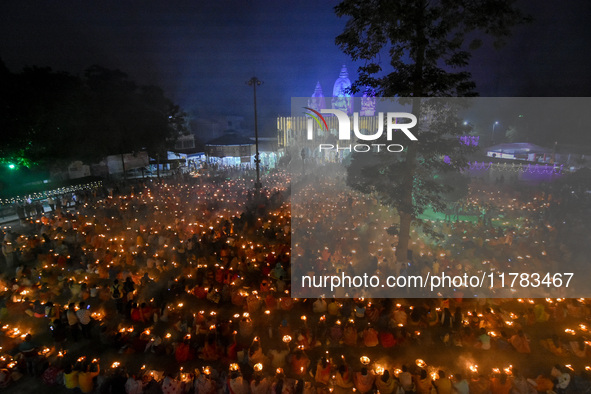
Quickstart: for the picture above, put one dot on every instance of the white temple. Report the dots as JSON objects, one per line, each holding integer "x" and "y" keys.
{"x": 341, "y": 98}
{"x": 368, "y": 103}
{"x": 317, "y": 102}
{"x": 292, "y": 130}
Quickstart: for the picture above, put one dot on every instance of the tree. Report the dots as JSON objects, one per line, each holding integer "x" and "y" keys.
{"x": 54, "y": 118}
{"x": 129, "y": 118}
{"x": 512, "y": 134}
{"x": 426, "y": 42}
{"x": 39, "y": 115}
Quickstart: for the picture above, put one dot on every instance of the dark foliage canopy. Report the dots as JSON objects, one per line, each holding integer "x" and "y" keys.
{"x": 419, "y": 49}
{"x": 52, "y": 118}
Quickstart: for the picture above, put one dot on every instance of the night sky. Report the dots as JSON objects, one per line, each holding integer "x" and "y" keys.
{"x": 202, "y": 53}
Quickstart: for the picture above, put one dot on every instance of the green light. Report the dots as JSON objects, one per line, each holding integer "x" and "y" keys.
{"x": 11, "y": 166}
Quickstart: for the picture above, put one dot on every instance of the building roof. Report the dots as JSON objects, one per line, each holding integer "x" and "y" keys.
{"x": 518, "y": 148}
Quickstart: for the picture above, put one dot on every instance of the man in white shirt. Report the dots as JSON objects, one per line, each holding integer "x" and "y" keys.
{"x": 562, "y": 378}
{"x": 461, "y": 386}
{"x": 278, "y": 357}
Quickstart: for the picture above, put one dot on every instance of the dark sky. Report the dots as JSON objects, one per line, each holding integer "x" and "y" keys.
{"x": 202, "y": 53}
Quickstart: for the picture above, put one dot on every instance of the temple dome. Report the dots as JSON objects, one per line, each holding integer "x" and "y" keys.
{"x": 342, "y": 83}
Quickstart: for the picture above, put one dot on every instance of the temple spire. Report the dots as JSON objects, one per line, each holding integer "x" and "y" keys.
{"x": 317, "y": 102}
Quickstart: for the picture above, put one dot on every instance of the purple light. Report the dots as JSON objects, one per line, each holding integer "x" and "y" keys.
{"x": 469, "y": 140}
{"x": 533, "y": 169}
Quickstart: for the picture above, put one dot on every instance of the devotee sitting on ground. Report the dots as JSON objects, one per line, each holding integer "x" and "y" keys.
{"x": 364, "y": 380}
{"x": 520, "y": 342}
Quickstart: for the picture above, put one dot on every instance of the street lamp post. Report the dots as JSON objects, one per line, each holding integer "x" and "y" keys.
{"x": 254, "y": 82}
{"x": 492, "y": 136}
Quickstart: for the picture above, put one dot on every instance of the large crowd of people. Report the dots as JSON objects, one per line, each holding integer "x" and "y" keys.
{"x": 180, "y": 286}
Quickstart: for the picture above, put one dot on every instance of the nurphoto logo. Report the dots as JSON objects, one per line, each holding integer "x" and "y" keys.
{"x": 344, "y": 130}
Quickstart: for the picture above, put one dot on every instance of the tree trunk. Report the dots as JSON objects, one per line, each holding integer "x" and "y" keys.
{"x": 405, "y": 210}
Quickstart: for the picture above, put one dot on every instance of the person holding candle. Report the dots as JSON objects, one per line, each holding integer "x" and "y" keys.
{"x": 236, "y": 383}
{"x": 116, "y": 294}
{"x": 204, "y": 384}
{"x": 73, "y": 322}
{"x": 370, "y": 337}
{"x": 483, "y": 341}
{"x": 133, "y": 385}
{"x": 183, "y": 352}
{"x": 479, "y": 384}
{"x": 29, "y": 350}
{"x": 279, "y": 356}
{"x": 255, "y": 354}
{"x": 500, "y": 384}
{"x": 350, "y": 335}
{"x": 170, "y": 385}
{"x": 128, "y": 289}
{"x": 299, "y": 363}
{"x": 442, "y": 384}
{"x": 520, "y": 342}
{"x": 405, "y": 379}
{"x": 86, "y": 376}
{"x": 520, "y": 384}
{"x": 320, "y": 306}
{"x": 460, "y": 385}
{"x": 335, "y": 333}
{"x": 322, "y": 373}
{"x": 70, "y": 378}
{"x": 259, "y": 384}
{"x": 364, "y": 380}
{"x": 386, "y": 384}
{"x": 422, "y": 382}
{"x": 333, "y": 308}
{"x": 136, "y": 313}
{"x": 343, "y": 380}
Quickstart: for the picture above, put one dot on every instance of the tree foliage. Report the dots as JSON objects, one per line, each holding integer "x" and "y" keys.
{"x": 55, "y": 117}
{"x": 427, "y": 45}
